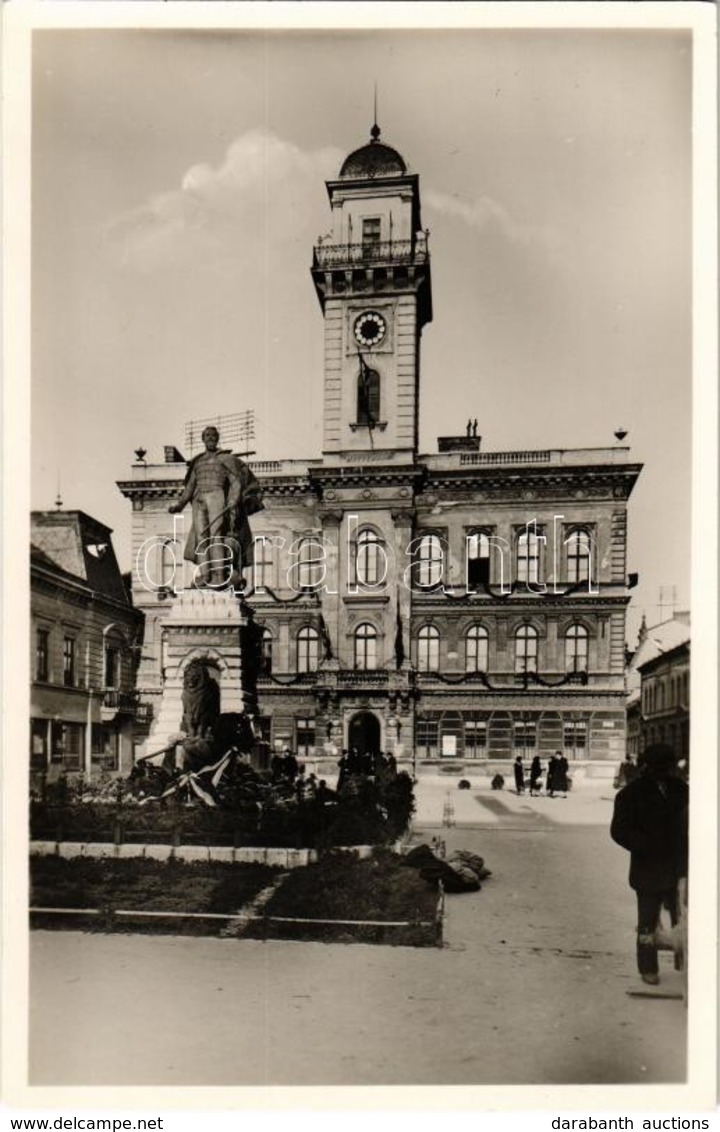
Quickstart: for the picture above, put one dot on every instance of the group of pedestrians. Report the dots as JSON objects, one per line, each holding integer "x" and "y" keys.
{"x": 556, "y": 780}
{"x": 365, "y": 764}
{"x": 284, "y": 766}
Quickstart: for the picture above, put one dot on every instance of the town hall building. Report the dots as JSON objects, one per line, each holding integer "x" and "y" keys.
{"x": 451, "y": 607}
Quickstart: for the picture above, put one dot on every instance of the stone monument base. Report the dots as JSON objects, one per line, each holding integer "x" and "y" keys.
{"x": 204, "y": 625}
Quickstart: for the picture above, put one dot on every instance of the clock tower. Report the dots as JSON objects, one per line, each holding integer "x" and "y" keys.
{"x": 372, "y": 277}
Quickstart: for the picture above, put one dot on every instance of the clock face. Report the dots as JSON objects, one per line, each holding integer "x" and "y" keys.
{"x": 370, "y": 328}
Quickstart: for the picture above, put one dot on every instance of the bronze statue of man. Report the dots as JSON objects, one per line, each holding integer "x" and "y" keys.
{"x": 223, "y": 492}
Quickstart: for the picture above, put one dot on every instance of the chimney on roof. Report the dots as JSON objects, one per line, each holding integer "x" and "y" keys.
{"x": 470, "y": 442}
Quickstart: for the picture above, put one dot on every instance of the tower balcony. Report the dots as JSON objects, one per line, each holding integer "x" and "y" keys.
{"x": 385, "y": 252}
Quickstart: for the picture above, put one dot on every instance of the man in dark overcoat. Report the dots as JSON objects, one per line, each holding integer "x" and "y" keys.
{"x": 650, "y": 819}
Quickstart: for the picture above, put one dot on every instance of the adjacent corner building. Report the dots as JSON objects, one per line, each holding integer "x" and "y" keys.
{"x": 85, "y": 636}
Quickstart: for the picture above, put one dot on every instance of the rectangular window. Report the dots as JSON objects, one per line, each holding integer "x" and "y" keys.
{"x": 371, "y": 232}
{"x": 310, "y": 567}
{"x": 575, "y": 738}
{"x": 305, "y": 737}
{"x": 478, "y": 561}
{"x": 263, "y": 562}
{"x": 528, "y": 558}
{"x": 67, "y": 743}
{"x": 42, "y": 654}
{"x": 579, "y": 545}
{"x": 38, "y": 744}
{"x": 104, "y": 747}
{"x": 476, "y": 738}
{"x": 69, "y": 662}
{"x": 426, "y": 738}
{"x": 525, "y": 735}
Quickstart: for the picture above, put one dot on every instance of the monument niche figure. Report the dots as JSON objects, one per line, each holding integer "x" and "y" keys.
{"x": 223, "y": 493}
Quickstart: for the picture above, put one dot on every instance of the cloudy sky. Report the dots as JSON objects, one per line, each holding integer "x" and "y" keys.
{"x": 178, "y": 191}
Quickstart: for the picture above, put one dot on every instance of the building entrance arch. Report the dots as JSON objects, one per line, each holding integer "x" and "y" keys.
{"x": 364, "y": 732}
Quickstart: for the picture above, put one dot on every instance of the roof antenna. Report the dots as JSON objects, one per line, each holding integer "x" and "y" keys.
{"x": 375, "y": 131}
{"x": 58, "y": 497}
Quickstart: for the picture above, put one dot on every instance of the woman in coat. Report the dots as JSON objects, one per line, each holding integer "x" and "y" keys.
{"x": 535, "y": 776}
{"x": 519, "y": 775}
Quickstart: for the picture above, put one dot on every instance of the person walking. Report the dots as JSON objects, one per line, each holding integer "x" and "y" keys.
{"x": 535, "y": 776}
{"x": 519, "y": 775}
{"x": 650, "y": 819}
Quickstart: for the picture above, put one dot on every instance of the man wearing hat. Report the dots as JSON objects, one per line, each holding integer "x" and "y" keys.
{"x": 650, "y": 819}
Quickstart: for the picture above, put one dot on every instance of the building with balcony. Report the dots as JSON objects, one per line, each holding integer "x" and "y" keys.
{"x": 462, "y": 605}
{"x": 85, "y": 635}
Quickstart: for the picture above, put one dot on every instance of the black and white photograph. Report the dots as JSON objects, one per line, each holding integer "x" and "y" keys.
{"x": 368, "y": 710}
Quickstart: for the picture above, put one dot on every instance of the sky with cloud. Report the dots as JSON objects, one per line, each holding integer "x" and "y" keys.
{"x": 178, "y": 189}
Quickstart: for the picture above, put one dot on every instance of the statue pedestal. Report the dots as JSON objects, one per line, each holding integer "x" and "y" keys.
{"x": 201, "y": 625}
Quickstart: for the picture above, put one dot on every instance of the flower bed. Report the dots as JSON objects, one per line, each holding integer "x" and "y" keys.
{"x": 373, "y": 900}
{"x": 104, "y": 886}
{"x": 396, "y": 905}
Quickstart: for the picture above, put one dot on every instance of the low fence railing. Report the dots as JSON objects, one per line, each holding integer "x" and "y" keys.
{"x": 111, "y": 918}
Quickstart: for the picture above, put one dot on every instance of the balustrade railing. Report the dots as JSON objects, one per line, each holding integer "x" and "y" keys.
{"x": 521, "y": 457}
{"x": 384, "y": 251}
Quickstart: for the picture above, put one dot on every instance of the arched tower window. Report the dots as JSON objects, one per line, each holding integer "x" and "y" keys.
{"x": 476, "y": 649}
{"x": 366, "y": 646}
{"x": 576, "y": 649}
{"x": 428, "y": 649}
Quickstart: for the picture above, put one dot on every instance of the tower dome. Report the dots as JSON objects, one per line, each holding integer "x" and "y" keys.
{"x": 375, "y": 159}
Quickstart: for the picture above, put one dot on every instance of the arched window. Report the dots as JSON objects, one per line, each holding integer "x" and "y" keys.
{"x": 526, "y": 648}
{"x": 368, "y": 396}
{"x": 366, "y": 646}
{"x": 578, "y": 556}
{"x": 113, "y": 664}
{"x": 478, "y": 560}
{"x": 267, "y": 650}
{"x": 661, "y": 697}
{"x": 428, "y": 649}
{"x": 576, "y": 649}
{"x": 370, "y": 565}
{"x": 528, "y": 557}
{"x": 476, "y": 649}
{"x": 308, "y": 649}
{"x": 311, "y": 557}
{"x": 429, "y": 561}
